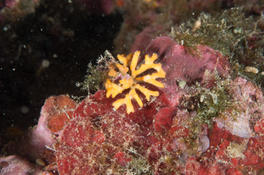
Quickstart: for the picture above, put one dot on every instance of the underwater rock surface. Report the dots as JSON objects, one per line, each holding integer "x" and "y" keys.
{"x": 203, "y": 122}
{"x": 165, "y": 136}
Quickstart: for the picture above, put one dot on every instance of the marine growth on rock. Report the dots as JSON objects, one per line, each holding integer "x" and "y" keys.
{"x": 126, "y": 75}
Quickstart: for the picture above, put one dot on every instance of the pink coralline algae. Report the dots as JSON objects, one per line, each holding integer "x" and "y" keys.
{"x": 55, "y": 113}
{"x": 11, "y": 165}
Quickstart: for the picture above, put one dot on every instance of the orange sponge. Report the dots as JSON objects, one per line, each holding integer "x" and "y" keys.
{"x": 129, "y": 77}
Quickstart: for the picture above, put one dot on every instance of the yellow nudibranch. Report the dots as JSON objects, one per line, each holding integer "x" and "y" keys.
{"x": 129, "y": 75}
